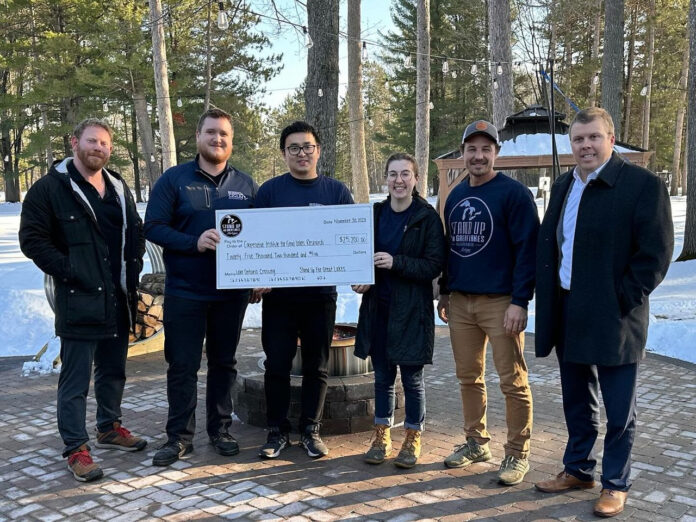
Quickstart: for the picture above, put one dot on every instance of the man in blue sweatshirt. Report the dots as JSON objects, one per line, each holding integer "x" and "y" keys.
{"x": 180, "y": 218}
{"x": 288, "y": 313}
{"x": 492, "y": 225}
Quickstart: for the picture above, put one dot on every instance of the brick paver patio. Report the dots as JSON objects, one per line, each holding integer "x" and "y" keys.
{"x": 37, "y": 486}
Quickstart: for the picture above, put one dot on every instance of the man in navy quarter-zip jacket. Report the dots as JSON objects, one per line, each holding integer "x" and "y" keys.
{"x": 79, "y": 225}
{"x": 180, "y": 218}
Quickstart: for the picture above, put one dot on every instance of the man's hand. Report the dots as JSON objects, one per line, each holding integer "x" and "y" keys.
{"x": 257, "y": 293}
{"x": 384, "y": 260}
{"x": 360, "y": 289}
{"x": 208, "y": 240}
{"x": 443, "y": 308}
{"x": 515, "y": 320}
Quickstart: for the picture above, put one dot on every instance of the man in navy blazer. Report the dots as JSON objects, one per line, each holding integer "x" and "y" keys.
{"x": 605, "y": 243}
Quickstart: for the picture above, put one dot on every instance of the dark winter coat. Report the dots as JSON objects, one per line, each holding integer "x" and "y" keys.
{"x": 623, "y": 245}
{"x": 421, "y": 255}
{"x": 59, "y": 232}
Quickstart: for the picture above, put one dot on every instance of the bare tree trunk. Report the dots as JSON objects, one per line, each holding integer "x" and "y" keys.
{"x": 612, "y": 62}
{"x": 628, "y": 91}
{"x": 321, "y": 89}
{"x": 499, "y": 37}
{"x": 423, "y": 94}
{"x": 145, "y": 131}
{"x": 208, "y": 63}
{"x": 649, "y": 76}
{"x": 689, "y": 249}
{"x": 679, "y": 126}
{"x": 358, "y": 155}
{"x": 134, "y": 155}
{"x": 164, "y": 108}
{"x": 595, "y": 51}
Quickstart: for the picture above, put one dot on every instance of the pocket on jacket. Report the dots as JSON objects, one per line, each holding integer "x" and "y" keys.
{"x": 85, "y": 307}
{"x": 75, "y": 230}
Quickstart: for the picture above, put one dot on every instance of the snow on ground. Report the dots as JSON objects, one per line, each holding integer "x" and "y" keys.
{"x": 27, "y": 320}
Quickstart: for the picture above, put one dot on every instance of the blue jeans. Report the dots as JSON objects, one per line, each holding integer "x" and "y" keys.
{"x": 385, "y": 377}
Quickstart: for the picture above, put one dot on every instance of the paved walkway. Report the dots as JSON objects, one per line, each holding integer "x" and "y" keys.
{"x": 36, "y": 485}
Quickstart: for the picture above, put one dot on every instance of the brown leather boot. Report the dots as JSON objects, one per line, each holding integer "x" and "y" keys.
{"x": 564, "y": 482}
{"x": 610, "y": 503}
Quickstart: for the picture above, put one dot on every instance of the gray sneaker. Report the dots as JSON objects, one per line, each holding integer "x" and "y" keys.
{"x": 468, "y": 453}
{"x": 512, "y": 470}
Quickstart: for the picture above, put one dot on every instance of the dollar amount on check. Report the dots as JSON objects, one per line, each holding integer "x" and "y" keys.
{"x": 295, "y": 246}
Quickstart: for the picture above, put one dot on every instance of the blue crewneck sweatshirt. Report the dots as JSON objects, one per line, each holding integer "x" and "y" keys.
{"x": 492, "y": 231}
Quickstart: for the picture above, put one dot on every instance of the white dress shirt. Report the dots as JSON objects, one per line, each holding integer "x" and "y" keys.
{"x": 570, "y": 216}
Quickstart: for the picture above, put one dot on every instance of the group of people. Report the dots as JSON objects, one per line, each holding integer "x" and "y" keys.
{"x": 605, "y": 243}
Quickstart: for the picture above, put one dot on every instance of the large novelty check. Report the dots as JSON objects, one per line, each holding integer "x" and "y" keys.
{"x": 295, "y": 246}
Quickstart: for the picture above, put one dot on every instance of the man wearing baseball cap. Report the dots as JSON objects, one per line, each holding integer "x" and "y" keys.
{"x": 492, "y": 225}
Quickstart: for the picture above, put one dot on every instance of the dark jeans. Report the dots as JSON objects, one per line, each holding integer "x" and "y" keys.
{"x": 385, "y": 377}
{"x": 109, "y": 359}
{"x": 580, "y": 384}
{"x": 186, "y": 323}
{"x": 283, "y": 322}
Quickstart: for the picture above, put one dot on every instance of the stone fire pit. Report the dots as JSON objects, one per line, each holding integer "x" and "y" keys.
{"x": 350, "y": 402}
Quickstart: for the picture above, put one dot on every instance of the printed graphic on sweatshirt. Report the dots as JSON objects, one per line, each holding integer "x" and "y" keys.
{"x": 470, "y": 227}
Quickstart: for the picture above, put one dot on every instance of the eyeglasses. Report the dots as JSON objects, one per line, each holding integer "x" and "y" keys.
{"x": 404, "y": 174}
{"x": 294, "y": 150}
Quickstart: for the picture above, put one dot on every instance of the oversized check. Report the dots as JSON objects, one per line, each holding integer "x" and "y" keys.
{"x": 295, "y": 246}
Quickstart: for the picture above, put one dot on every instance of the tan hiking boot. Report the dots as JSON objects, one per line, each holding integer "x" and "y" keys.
{"x": 466, "y": 454}
{"x": 119, "y": 438}
{"x": 82, "y": 466}
{"x": 410, "y": 449}
{"x": 381, "y": 445}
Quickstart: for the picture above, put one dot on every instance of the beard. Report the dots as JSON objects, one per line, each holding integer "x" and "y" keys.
{"x": 91, "y": 160}
{"x": 214, "y": 155}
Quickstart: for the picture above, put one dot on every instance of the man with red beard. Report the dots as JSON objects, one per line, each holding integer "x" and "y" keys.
{"x": 79, "y": 224}
{"x": 180, "y": 217}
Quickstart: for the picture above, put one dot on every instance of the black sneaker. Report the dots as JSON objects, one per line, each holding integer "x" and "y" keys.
{"x": 311, "y": 441}
{"x": 170, "y": 452}
{"x": 276, "y": 442}
{"x": 225, "y": 444}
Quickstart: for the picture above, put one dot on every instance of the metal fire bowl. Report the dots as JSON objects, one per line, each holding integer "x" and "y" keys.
{"x": 342, "y": 362}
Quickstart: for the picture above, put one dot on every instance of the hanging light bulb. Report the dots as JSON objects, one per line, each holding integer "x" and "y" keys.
{"x": 644, "y": 90}
{"x": 386, "y": 84}
{"x": 7, "y": 158}
{"x": 445, "y": 67}
{"x": 407, "y": 62}
{"x": 431, "y": 106}
{"x": 308, "y": 43}
{"x": 222, "y": 21}
{"x": 27, "y": 111}
{"x": 152, "y": 158}
{"x": 499, "y": 69}
{"x": 364, "y": 51}
{"x": 595, "y": 79}
{"x": 257, "y": 146}
{"x": 474, "y": 69}
{"x": 495, "y": 84}
{"x": 320, "y": 93}
{"x": 454, "y": 74}
{"x": 370, "y": 122}
{"x": 105, "y": 107}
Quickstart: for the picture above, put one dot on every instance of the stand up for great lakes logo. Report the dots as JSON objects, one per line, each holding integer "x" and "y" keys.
{"x": 471, "y": 227}
{"x": 231, "y": 225}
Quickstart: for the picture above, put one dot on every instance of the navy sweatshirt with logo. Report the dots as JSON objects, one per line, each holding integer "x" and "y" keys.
{"x": 491, "y": 232}
{"x": 287, "y": 191}
{"x": 182, "y": 206}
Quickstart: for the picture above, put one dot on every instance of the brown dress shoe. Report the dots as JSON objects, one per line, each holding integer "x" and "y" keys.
{"x": 610, "y": 503}
{"x": 564, "y": 482}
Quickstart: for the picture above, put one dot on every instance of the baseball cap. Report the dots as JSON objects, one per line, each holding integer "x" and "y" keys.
{"x": 481, "y": 127}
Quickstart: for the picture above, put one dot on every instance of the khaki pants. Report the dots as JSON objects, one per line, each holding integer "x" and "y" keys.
{"x": 473, "y": 321}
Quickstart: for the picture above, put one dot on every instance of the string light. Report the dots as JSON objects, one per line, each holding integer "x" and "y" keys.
{"x": 222, "y": 21}
{"x": 445, "y": 67}
{"x": 595, "y": 79}
{"x": 257, "y": 146}
{"x": 386, "y": 84}
{"x": 474, "y": 69}
{"x": 407, "y": 62}
{"x": 644, "y": 90}
{"x": 454, "y": 74}
{"x": 27, "y": 111}
{"x": 364, "y": 51}
{"x": 105, "y": 107}
{"x": 495, "y": 84}
{"x": 499, "y": 69}
{"x": 320, "y": 93}
{"x": 179, "y": 103}
{"x": 431, "y": 106}
{"x": 7, "y": 158}
{"x": 370, "y": 122}
{"x": 152, "y": 158}
{"x": 308, "y": 43}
